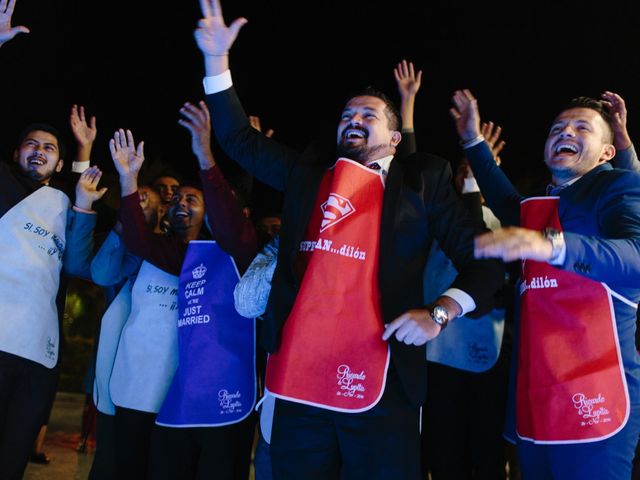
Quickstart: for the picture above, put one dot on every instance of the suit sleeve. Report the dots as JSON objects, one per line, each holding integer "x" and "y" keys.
{"x": 455, "y": 228}
{"x": 79, "y": 244}
{"x": 113, "y": 263}
{"x": 613, "y": 256}
{"x": 264, "y": 158}
{"x": 499, "y": 193}
{"x": 407, "y": 145}
{"x": 627, "y": 160}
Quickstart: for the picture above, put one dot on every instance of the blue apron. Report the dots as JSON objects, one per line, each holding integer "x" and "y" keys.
{"x": 215, "y": 383}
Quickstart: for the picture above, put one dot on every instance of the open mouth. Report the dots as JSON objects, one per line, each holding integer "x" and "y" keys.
{"x": 566, "y": 148}
{"x": 37, "y": 161}
{"x": 354, "y": 134}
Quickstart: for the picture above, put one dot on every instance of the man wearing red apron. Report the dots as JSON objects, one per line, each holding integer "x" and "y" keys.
{"x": 577, "y": 393}
{"x": 355, "y": 236}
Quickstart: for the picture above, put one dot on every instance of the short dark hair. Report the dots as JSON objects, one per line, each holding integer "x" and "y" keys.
{"x": 593, "y": 104}
{"x": 43, "y": 127}
{"x": 391, "y": 111}
{"x": 167, "y": 173}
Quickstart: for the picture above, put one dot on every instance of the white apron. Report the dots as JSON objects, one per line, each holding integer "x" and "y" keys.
{"x": 147, "y": 354}
{"x": 110, "y": 329}
{"x": 32, "y": 241}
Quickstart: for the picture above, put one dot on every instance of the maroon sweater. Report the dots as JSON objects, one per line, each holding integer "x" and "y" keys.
{"x": 229, "y": 227}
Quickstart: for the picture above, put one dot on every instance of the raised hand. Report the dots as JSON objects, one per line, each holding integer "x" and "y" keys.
{"x": 255, "y": 123}
{"x": 408, "y": 85}
{"x": 7, "y": 32}
{"x": 491, "y": 134}
{"x": 127, "y": 159}
{"x": 618, "y": 110}
{"x": 213, "y": 36}
{"x": 466, "y": 115}
{"x": 407, "y": 80}
{"x": 87, "y": 190}
{"x": 84, "y": 133}
{"x": 198, "y": 122}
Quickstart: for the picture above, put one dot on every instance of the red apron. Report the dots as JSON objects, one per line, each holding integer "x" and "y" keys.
{"x": 332, "y": 354}
{"x": 571, "y": 386}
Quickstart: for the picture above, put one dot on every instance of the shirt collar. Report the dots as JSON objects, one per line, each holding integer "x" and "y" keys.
{"x": 385, "y": 164}
{"x": 555, "y": 189}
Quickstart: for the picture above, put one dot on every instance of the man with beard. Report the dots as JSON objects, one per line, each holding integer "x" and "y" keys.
{"x": 40, "y": 235}
{"x": 577, "y": 395}
{"x": 346, "y": 324}
{"x": 143, "y": 345}
{"x": 176, "y": 447}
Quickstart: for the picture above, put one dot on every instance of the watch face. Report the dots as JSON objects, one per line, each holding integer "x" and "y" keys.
{"x": 440, "y": 315}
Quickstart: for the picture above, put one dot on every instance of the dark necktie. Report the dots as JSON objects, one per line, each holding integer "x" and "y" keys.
{"x": 374, "y": 166}
{"x": 554, "y": 190}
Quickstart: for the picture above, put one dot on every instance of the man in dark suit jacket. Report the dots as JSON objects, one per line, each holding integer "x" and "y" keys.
{"x": 418, "y": 204}
{"x": 598, "y": 211}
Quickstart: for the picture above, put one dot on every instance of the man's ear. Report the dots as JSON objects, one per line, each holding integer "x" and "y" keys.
{"x": 608, "y": 152}
{"x": 16, "y": 155}
{"x": 395, "y": 138}
{"x": 59, "y": 165}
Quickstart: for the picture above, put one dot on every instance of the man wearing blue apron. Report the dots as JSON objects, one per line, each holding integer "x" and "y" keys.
{"x": 204, "y": 425}
{"x": 577, "y": 395}
{"x": 39, "y": 236}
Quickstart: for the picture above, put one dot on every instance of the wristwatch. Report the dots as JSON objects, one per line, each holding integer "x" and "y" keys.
{"x": 556, "y": 237}
{"x": 440, "y": 315}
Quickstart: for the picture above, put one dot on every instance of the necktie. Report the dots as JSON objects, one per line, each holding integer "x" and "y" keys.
{"x": 374, "y": 166}
{"x": 554, "y": 190}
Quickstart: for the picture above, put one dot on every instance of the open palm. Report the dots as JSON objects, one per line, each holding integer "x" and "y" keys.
{"x": 6, "y": 31}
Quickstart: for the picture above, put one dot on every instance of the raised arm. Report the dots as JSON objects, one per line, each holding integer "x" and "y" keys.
{"x": 408, "y": 82}
{"x": 80, "y": 224}
{"x": 625, "y": 152}
{"x": 610, "y": 255}
{"x": 128, "y": 160}
{"x": 233, "y": 231}
{"x": 85, "y": 134}
{"x": 500, "y": 194}
{"x": 7, "y": 32}
{"x": 408, "y": 85}
{"x": 215, "y": 38}
{"x": 260, "y": 156}
{"x": 165, "y": 252}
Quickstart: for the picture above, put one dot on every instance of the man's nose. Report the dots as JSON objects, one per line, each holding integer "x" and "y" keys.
{"x": 356, "y": 119}
{"x": 567, "y": 132}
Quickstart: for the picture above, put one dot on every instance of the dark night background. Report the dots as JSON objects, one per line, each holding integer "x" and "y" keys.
{"x": 132, "y": 64}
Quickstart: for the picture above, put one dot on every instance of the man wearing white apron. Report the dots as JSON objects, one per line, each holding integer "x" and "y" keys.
{"x": 39, "y": 236}
{"x": 577, "y": 398}
{"x": 356, "y": 230}
{"x": 115, "y": 269}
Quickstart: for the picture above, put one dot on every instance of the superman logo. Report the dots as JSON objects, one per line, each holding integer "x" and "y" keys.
{"x": 335, "y": 209}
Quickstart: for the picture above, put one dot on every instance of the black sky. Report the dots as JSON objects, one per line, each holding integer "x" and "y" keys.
{"x": 133, "y": 63}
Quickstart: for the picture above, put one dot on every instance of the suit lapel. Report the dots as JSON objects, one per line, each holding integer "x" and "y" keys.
{"x": 392, "y": 190}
